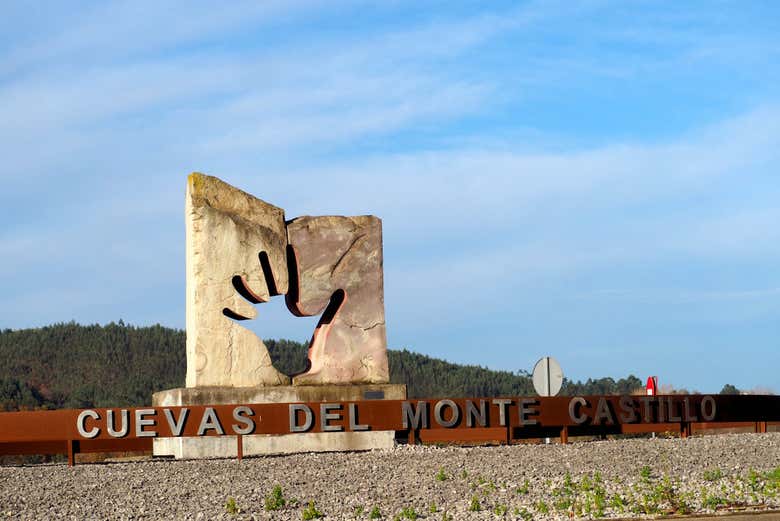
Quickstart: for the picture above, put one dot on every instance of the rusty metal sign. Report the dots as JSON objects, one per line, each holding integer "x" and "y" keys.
{"x": 286, "y": 418}
{"x": 448, "y": 419}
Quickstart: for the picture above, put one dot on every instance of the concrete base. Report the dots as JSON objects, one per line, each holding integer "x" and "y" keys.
{"x": 257, "y": 444}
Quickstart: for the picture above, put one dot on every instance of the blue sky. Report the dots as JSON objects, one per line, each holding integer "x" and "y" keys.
{"x": 597, "y": 181}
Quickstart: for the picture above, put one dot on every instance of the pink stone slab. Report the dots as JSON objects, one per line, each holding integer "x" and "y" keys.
{"x": 336, "y": 270}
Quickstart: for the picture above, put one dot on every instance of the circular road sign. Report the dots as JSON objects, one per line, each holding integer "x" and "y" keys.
{"x": 548, "y": 376}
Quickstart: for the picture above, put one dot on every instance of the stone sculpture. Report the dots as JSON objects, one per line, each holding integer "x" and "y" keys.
{"x": 241, "y": 252}
{"x": 339, "y": 274}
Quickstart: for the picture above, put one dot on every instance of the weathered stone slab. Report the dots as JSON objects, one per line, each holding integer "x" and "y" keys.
{"x": 277, "y": 394}
{"x": 240, "y": 252}
{"x": 255, "y": 444}
{"x": 226, "y": 231}
{"x": 339, "y": 274}
{"x": 259, "y": 444}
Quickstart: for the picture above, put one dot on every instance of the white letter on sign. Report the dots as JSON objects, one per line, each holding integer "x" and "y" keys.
{"x": 121, "y": 432}
{"x": 294, "y": 408}
{"x": 210, "y": 421}
{"x": 176, "y": 427}
{"x": 141, "y": 422}
{"x": 94, "y": 431}
{"x": 241, "y": 415}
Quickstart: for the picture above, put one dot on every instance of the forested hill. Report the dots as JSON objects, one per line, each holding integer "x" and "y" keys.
{"x": 75, "y": 366}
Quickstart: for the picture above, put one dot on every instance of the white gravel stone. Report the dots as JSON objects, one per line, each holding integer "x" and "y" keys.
{"x": 342, "y": 484}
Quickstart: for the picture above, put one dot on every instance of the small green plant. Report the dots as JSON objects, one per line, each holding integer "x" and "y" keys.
{"x": 275, "y": 500}
{"x": 474, "y": 506}
{"x": 445, "y": 516}
{"x": 375, "y": 513}
{"x": 648, "y": 504}
{"x": 617, "y": 503}
{"x": 231, "y": 507}
{"x": 712, "y": 502}
{"x": 664, "y": 492}
{"x": 772, "y": 483}
{"x": 441, "y": 475}
{"x": 524, "y": 488}
{"x": 359, "y": 510}
{"x": 565, "y": 496}
{"x": 311, "y": 512}
{"x": 563, "y": 503}
{"x": 713, "y": 475}
{"x": 683, "y": 507}
{"x": 599, "y": 499}
{"x": 753, "y": 480}
{"x": 464, "y": 474}
{"x": 585, "y": 484}
{"x": 542, "y": 507}
{"x": 500, "y": 510}
{"x": 645, "y": 473}
{"x": 408, "y": 513}
{"x": 433, "y": 508}
{"x": 524, "y": 514}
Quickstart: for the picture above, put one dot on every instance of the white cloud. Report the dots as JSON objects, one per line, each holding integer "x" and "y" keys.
{"x": 425, "y": 124}
{"x": 204, "y": 102}
{"x": 120, "y": 30}
{"x": 464, "y": 190}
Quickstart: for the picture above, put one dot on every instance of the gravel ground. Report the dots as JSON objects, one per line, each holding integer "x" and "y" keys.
{"x": 625, "y": 478}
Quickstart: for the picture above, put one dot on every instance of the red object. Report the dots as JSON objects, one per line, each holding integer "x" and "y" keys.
{"x": 652, "y": 385}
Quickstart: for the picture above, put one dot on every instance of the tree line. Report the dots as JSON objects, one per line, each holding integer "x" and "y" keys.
{"x": 78, "y": 366}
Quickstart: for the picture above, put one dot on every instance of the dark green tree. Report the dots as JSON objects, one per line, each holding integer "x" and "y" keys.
{"x": 75, "y": 366}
